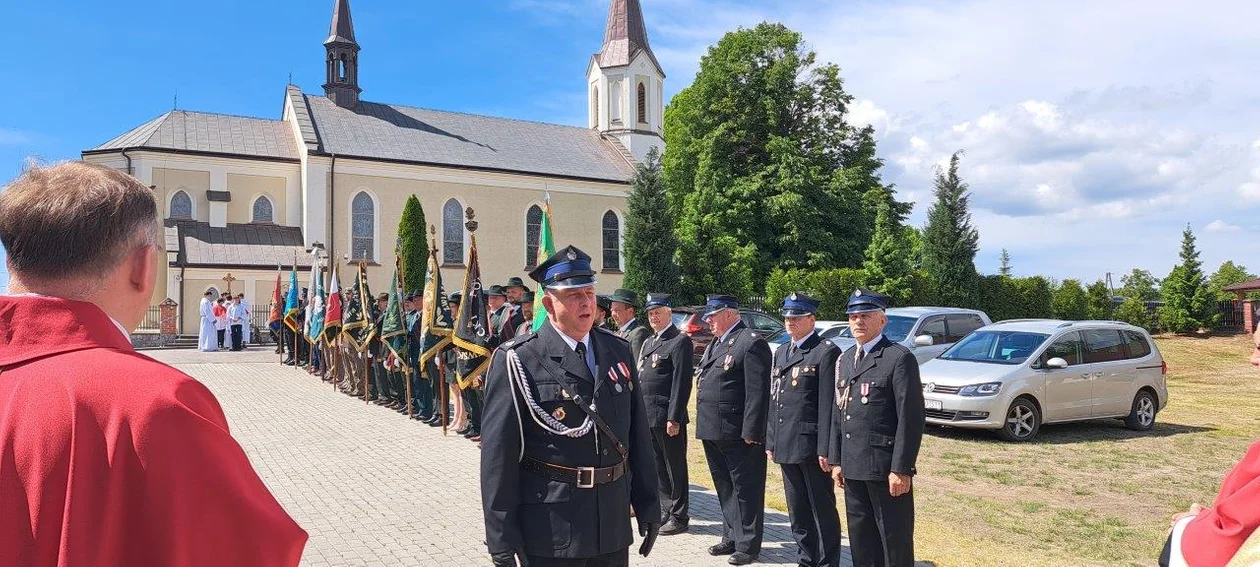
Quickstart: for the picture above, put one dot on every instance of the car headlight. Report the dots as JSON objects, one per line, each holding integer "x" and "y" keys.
{"x": 986, "y": 389}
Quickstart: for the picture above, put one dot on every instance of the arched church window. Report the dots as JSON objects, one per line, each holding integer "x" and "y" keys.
{"x": 617, "y": 99}
{"x": 181, "y": 205}
{"x": 363, "y": 227}
{"x": 263, "y": 211}
{"x": 453, "y": 232}
{"x": 642, "y": 103}
{"x": 612, "y": 241}
{"x": 533, "y": 233}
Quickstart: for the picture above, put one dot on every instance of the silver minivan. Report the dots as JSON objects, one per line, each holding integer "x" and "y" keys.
{"x": 1014, "y": 376}
{"x": 926, "y": 331}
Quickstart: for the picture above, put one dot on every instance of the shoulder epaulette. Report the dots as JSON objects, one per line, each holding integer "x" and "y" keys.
{"x": 611, "y": 334}
{"x": 518, "y": 341}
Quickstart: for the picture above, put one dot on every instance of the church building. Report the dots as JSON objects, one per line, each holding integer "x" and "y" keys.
{"x": 240, "y": 196}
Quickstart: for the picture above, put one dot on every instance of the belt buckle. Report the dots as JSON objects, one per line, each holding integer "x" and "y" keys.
{"x": 590, "y": 474}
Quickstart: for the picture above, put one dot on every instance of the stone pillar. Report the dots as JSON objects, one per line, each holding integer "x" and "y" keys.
{"x": 168, "y": 313}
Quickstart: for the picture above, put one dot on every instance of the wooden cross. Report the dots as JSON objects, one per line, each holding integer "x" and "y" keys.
{"x": 229, "y": 279}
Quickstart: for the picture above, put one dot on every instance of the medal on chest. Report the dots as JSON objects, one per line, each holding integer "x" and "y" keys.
{"x": 726, "y": 363}
{"x": 796, "y": 372}
{"x": 558, "y": 413}
{"x": 866, "y": 392}
{"x": 656, "y": 360}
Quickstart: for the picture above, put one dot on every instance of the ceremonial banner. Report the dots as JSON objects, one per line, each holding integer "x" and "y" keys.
{"x": 291, "y": 302}
{"x": 356, "y": 323}
{"x": 546, "y": 248}
{"x": 276, "y": 318}
{"x": 435, "y": 316}
{"x": 332, "y": 313}
{"x": 472, "y": 327}
{"x": 394, "y": 323}
{"x": 315, "y": 318}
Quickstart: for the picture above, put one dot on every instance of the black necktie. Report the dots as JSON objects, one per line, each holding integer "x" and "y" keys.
{"x": 581, "y": 350}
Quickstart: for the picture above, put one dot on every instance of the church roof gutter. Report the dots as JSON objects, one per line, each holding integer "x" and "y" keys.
{"x": 122, "y": 151}
{"x": 474, "y": 168}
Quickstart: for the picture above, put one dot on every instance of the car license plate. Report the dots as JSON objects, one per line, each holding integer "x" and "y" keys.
{"x": 932, "y": 404}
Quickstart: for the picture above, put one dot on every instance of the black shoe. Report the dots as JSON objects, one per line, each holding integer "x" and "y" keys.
{"x": 723, "y": 548}
{"x": 472, "y": 433}
{"x": 463, "y": 431}
{"x": 673, "y": 527}
{"x": 288, "y": 362}
{"x": 741, "y": 558}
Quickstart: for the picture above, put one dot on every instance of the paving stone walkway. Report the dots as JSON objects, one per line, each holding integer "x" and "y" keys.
{"x": 373, "y": 488}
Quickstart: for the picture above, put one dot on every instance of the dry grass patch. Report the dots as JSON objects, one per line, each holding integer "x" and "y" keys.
{"x": 1091, "y": 493}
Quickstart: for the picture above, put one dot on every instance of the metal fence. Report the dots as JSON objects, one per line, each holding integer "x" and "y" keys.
{"x": 259, "y": 331}
{"x": 1233, "y": 315}
{"x": 152, "y": 320}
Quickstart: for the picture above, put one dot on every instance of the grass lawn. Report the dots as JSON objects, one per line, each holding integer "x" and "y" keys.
{"x": 1091, "y": 493}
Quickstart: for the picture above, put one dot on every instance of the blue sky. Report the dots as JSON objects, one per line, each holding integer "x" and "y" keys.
{"x": 1094, "y": 131}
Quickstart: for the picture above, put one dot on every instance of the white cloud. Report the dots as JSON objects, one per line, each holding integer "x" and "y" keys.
{"x": 1221, "y": 226}
{"x": 1083, "y": 126}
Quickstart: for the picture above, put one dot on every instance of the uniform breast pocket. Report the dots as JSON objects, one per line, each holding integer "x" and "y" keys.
{"x": 551, "y": 397}
{"x": 876, "y": 392}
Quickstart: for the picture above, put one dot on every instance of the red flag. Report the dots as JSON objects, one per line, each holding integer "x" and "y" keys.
{"x": 277, "y": 307}
{"x": 332, "y": 313}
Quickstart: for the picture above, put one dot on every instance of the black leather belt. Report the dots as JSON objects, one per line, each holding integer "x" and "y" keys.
{"x": 583, "y": 477}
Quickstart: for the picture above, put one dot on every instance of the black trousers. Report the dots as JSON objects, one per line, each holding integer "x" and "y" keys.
{"x": 881, "y": 528}
{"x": 739, "y": 475}
{"x": 614, "y": 559}
{"x": 220, "y": 333}
{"x": 238, "y": 337}
{"x": 811, "y": 500}
{"x": 671, "y": 472}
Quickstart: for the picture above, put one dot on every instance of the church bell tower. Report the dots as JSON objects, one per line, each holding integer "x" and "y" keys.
{"x": 342, "y": 77}
{"x": 625, "y": 83}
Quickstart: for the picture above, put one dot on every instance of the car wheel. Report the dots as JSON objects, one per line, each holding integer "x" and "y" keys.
{"x": 1142, "y": 414}
{"x": 1023, "y": 420}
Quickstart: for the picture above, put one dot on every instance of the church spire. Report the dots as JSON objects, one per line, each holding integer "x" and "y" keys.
{"x": 625, "y": 36}
{"x": 342, "y": 76}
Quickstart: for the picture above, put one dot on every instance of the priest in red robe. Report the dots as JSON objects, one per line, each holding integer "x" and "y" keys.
{"x": 1210, "y": 537}
{"x": 108, "y": 457}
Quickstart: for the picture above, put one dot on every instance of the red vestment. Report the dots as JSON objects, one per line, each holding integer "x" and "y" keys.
{"x": 1214, "y": 536}
{"x": 108, "y": 457}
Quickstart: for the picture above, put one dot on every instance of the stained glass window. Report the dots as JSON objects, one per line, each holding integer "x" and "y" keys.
{"x": 362, "y": 227}
{"x": 263, "y": 210}
{"x": 533, "y": 232}
{"x": 181, "y": 206}
{"x": 612, "y": 241}
{"x": 452, "y": 232}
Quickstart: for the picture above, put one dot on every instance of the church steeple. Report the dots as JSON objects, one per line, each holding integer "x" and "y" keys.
{"x": 626, "y": 84}
{"x": 342, "y": 77}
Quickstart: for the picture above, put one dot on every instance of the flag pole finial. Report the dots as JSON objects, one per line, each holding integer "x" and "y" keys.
{"x": 471, "y": 225}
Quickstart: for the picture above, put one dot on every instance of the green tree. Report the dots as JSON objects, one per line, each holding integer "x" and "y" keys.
{"x": 950, "y": 241}
{"x": 1133, "y": 311}
{"x": 762, "y": 168}
{"x": 650, "y": 241}
{"x": 1100, "y": 303}
{"x": 1140, "y": 285}
{"x": 1070, "y": 302}
{"x": 413, "y": 245}
{"x": 887, "y": 263}
{"x": 1188, "y": 303}
{"x": 1036, "y": 298}
{"x": 1228, "y": 274}
{"x": 1005, "y": 268}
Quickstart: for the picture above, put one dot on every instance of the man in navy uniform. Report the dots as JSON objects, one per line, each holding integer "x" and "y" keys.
{"x": 567, "y": 450}
{"x": 665, "y": 370}
{"x": 624, "y": 306}
{"x": 801, "y": 394}
{"x": 876, "y": 429}
{"x": 732, "y": 396}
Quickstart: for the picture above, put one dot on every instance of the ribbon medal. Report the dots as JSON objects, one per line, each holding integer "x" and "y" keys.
{"x": 866, "y": 391}
{"x": 625, "y": 374}
{"x": 656, "y": 359}
{"x": 558, "y": 413}
{"x": 796, "y": 372}
{"x": 726, "y": 365}
{"x": 612, "y": 377}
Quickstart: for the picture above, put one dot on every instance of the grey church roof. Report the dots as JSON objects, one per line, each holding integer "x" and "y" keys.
{"x": 207, "y": 133}
{"x": 416, "y": 135}
{"x": 236, "y": 245}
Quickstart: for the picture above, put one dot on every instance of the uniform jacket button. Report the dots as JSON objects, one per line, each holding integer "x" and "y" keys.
{"x": 538, "y": 495}
{"x": 846, "y": 435}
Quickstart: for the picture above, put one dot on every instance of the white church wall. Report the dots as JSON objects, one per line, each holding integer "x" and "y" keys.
{"x": 247, "y": 188}
{"x": 500, "y": 202}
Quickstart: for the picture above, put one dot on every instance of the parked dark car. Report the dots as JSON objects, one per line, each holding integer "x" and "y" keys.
{"x": 687, "y": 319}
